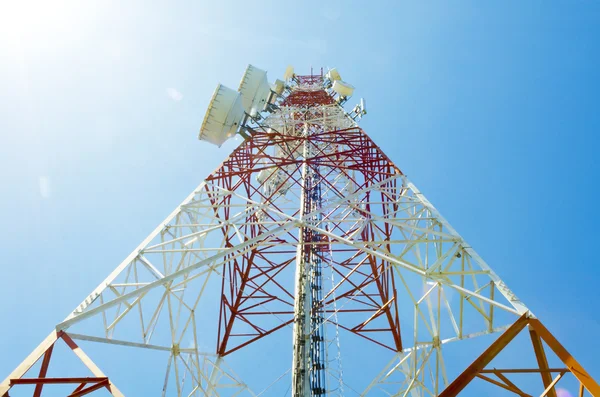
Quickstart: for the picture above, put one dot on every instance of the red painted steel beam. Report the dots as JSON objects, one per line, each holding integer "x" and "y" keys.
{"x": 88, "y": 390}
{"x": 43, "y": 370}
{"x": 250, "y": 287}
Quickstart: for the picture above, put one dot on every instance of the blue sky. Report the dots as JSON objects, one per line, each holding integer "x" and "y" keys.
{"x": 490, "y": 108}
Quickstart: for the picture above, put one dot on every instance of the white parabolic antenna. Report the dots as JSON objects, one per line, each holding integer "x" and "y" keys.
{"x": 333, "y": 75}
{"x": 255, "y": 90}
{"x": 343, "y": 88}
{"x": 223, "y": 117}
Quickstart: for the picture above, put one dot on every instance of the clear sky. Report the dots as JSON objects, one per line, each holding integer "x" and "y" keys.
{"x": 491, "y": 108}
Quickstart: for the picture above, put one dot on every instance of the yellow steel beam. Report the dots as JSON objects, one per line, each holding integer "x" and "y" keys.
{"x": 484, "y": 359}
{"x": 562, "y": 353}
{"x": 542, "y": 361}
{"x": 509, "y": 383}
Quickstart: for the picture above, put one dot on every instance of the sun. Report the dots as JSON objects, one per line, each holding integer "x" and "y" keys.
{"x": 35, "y": 23}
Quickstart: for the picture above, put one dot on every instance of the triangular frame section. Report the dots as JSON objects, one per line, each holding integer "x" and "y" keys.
{"x": 538, "y": 333}
{"x": 85, "y": 386}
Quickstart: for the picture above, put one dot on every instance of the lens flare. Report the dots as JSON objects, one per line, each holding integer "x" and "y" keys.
{"x": 563, "y": 393}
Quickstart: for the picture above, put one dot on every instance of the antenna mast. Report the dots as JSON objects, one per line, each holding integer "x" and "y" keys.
{"x": 309, "y": 365}
{"x": 221, "y": 284}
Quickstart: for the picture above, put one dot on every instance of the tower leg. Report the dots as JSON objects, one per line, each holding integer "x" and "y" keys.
{"x": 539, "y": 333}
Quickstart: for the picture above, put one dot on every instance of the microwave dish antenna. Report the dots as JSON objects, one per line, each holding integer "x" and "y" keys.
{"x": 255, "y": 90}
{"x": 223, "y": 117}
{"x": 343, "y": 89}
{"x": 333, "y": 75}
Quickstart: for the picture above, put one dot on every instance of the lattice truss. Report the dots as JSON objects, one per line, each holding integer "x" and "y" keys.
{"x": 216, "y": 277}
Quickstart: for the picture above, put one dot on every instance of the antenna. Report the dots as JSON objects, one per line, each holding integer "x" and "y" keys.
{"x": 359, "y": 110}
{"x": 255, "y": 90}
{"x": 223, "y": 117}
{"x": 278, "y": 87}
{"x": 289, "y": 73}
{"x": 333, "y": 75}
{"x": 344, "y": 89}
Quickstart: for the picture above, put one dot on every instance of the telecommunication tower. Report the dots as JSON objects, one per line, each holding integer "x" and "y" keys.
{"x": 306, "y": 264}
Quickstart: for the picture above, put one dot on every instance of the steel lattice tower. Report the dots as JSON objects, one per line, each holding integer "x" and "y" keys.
{"x": 305, "y": 249}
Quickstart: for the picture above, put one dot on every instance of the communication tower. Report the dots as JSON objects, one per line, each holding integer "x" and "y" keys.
{"x": 306, "y": 264}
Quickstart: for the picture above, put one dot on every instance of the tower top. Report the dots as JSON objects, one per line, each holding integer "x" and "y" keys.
{"x": 230, "y": 112}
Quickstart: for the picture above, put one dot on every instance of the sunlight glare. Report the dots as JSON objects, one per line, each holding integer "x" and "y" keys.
{"x": 31, "y": 23}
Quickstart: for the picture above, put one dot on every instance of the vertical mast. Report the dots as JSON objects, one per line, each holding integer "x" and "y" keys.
{"x": 300, "y": 360}
{"x": 309, "y": 366}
